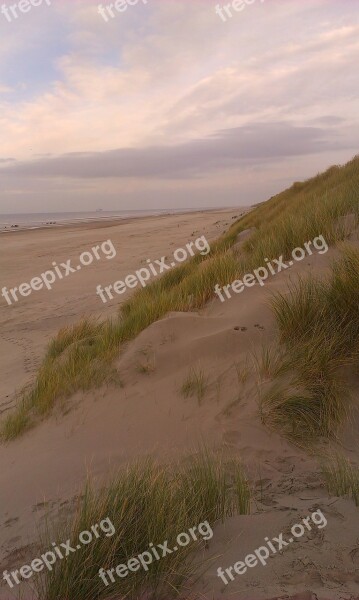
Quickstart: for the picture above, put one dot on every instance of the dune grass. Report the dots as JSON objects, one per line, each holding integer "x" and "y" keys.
{"x": 341, "y": 477}
{"x": 195, "y": 384}
{"x": 318, "y": 322}
{"x": 80, "y": 356}
{"x": 243, "y": 371}
{"x": 268, "y": 361}
{"x": 146, "y": 503}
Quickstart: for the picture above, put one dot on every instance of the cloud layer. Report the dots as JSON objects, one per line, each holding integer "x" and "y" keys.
{"x": 166, "y": 105}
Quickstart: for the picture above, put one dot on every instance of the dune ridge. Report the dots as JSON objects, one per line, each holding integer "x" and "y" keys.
{"x": 268, "y": 380}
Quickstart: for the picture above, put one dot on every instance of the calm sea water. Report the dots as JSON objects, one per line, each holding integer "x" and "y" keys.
{"x": 9, "y": 222}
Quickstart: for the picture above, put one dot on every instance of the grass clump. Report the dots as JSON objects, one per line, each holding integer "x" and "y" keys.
{"x": 15, "y": 423}
{"x": 80, "y": 357}
{"x": 147, "y": 504}
{"x": 268, "y": 361}
{"x": 341, "y": 477}
{"x": 243, "y": 372}
{"x": 86, "y": 331}
{"x": 195, "y": 384}
{"x": 319, "y": 327}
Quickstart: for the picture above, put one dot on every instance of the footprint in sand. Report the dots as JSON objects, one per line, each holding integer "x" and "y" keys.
{"x": 10, "y": 522}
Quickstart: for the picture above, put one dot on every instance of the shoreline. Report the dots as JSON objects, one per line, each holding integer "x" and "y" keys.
{"x": 108, "y": 220}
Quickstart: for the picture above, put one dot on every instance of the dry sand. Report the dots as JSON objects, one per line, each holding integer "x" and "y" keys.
{"x": 26, "y": 326}
{"x": 43, "y": 470}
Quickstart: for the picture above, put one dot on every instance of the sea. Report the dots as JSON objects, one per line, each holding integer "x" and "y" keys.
{"x": 15, "y": 222}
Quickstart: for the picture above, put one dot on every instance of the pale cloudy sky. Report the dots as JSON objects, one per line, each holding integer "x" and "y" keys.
{"x": 166, "y": 105}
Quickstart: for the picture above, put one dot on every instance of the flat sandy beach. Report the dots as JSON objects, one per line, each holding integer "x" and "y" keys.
{"x": 27, "y": 325}
{"x": 97, "y": 431}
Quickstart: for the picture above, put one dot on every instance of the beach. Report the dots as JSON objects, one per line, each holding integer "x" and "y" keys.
{"x": 13, "y": 223}
{"x": 150, "y": 408}
{"x": 179, "y": 300}
{"x": 48, "y": 475}
{"x": 28, "y": 325}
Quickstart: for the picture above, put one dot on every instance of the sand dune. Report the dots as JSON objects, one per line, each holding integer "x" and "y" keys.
{"x": 146, "y": 412}
{"x": 100, "y": 430}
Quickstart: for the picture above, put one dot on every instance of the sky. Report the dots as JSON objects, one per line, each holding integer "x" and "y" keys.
{"x": 172, "y": 103}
